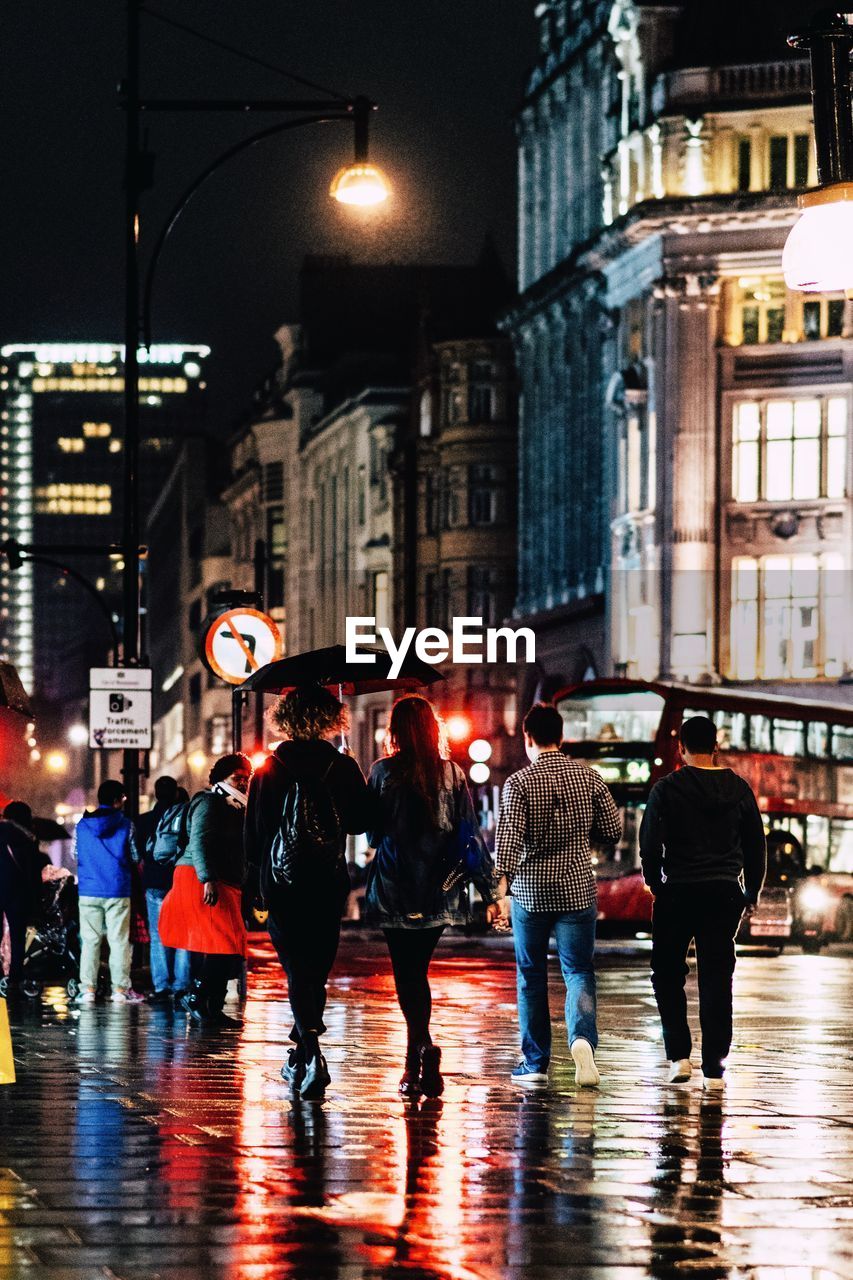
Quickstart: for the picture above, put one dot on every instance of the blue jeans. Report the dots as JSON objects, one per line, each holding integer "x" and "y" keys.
{"x": 170, "y": 969}
{"x": 574, "y": 932}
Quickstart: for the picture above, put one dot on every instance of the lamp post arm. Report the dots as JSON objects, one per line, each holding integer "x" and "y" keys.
{"x": 68, "y": 572}
{"x": 243, "y": 145}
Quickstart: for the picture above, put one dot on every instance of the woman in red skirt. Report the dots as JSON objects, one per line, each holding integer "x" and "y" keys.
{"x": 202, "y": 912}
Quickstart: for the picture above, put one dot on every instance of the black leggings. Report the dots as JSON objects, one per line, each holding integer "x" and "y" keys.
{"x": 411, "y": 951}
{"x": 215, "y": 971}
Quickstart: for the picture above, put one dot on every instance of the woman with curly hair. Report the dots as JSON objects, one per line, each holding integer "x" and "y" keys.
{"x": 428, "y": 845}
{"x": 202, "y": 912}
{"x": 305, "y": 914}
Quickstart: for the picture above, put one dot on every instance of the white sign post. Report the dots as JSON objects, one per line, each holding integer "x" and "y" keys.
{"x": 120, "y": 708}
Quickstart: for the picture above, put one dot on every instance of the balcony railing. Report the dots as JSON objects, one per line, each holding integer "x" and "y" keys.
{"x": 751, "y": 82}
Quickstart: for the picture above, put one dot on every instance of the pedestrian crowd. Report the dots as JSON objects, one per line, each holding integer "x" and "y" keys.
{"x": 274, "y": 841}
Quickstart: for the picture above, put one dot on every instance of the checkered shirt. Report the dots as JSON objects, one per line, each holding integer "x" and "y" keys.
{"x": 549, "y": 813}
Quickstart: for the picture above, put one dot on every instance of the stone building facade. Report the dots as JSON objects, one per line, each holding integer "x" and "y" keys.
{"x": 685, "y": 425}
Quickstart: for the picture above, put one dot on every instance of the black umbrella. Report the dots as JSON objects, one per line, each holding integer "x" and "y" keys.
{"x": 330, "y": 667}
{"x": 12, "y": 694}
{"x": 45, "y": 830}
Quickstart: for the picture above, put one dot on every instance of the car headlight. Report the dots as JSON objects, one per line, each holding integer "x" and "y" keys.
{"x": 813, "y": 897}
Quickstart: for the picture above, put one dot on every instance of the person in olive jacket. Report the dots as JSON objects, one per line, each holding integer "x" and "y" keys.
{"x": 202, "y": 912}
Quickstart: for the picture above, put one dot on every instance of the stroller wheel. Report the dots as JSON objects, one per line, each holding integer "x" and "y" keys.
{"x": 31, "y": 989}
{"x": 72, "y": 986}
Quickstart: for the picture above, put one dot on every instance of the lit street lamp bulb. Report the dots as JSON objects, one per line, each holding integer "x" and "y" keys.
{"x": 196, "y": 761}
{"x": 818, "y": 254}
{"x": 480, "y": 750}
{"x": 56, "y": 762}
{"x": 458, "y": 728}
{"x": 479, "y": 773}
{"x": 364, "y": 185}
{"x": 78, "y": 735}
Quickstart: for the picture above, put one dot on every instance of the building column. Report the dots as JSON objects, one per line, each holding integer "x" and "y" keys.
{"x": 685, "y": 381}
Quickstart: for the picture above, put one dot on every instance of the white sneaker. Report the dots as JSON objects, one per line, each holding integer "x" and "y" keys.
{"x": 714, "y": 1084}
{"x": 127, "y": 997}
{"x": 86, "y": 997}
{"x": 586, "y": 1072}
{"x": 679, "y": 1070}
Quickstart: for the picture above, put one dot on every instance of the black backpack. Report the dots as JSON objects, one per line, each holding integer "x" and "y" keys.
{"x": 171, "y": 835}
{"x": 307, "y": 844}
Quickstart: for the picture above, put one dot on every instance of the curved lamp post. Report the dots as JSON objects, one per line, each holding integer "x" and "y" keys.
{"x": 360, "y": 183}
{"x": 818, "y": 254}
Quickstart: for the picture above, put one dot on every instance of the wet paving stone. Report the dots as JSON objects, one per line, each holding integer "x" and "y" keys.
{"x": 135, "y": 1147}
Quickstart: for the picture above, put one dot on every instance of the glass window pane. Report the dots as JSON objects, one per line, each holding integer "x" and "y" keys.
{"x": 841, "y": 846}
{"x": 746, "y": 471}
{"x": 842, "y": 742}
{"x": 835, "y": 317}
{"x": 744, "y": 639}
{"x": 778, "y": 481}
{"x": 806, "y": 418}
{"x": 779, "y": 163}
{"x": 834, "y": 608}
{"x": 746, "y": 578}
{"x": 777, "y": 576}
{"x": 777, "y": 634}
{"x": 836, "y": 415}
{"x": 780, "y": 419}
{"x": 775, "y": 323}
{"x": 817, "y": 738}
{"x": 801, "y": 159}
{"x": 806, "y": 482}
{"x": 811, "y": 321}
{"x": 748, "y": 420}
{"x": 750, "y": 324}
{"x": 744, "y": 157}
{"x": 759, "y": 733}
{"x": 805, "y": 579}
{"x": 836, "y": 464}
{"x": 788, "y": 737}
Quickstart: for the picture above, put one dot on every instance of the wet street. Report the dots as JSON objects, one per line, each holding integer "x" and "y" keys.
{"x": 134, "y": 1147}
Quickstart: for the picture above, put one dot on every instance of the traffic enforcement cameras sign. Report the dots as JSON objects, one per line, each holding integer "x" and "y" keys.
{"x": 120, "y": 708}
{"x": 240, "y": 641}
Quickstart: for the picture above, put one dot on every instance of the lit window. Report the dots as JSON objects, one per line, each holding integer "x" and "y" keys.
{"x": 98, "y": 430}
{"x": 787, "y": 619}
{"x": 784, "y": 450}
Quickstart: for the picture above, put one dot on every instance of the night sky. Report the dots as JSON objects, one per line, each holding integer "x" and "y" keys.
{"x": 446, "y": 73}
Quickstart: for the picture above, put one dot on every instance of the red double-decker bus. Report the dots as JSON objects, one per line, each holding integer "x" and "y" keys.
{"x": 796, "y": 755}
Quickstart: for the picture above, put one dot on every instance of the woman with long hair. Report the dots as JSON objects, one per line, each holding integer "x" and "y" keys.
{"x": 306, "y": 900}
{"x": 202, "y": 912}
{"x": 428, "y": 845}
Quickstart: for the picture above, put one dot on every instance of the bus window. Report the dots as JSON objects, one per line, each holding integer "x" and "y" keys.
{"x": 788, "y": 737}
{"x": 611, "y": 717}
{"x": 731, "y": 727}
{"x": 817, "y": 739}
{"x": 817, "y": 841}
{"x": 759, "y": 733}
{"x": 842, "y": 742}
{"x": 840, "y": 846}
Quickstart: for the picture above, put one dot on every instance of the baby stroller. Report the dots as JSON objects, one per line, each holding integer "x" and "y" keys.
{"x": 53, "y": 941}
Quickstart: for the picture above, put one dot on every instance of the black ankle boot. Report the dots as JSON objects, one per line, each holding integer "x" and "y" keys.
{"x": 432, "y": 1081}
{"x": 410, "y": 1081}
{"x": 193, "y": 1002}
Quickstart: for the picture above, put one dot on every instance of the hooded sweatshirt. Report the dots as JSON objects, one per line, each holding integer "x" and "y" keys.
{"x": 105, "y": 849}
{"x": 701, "y": 826}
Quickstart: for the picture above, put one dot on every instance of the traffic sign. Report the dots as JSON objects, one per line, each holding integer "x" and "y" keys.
{"x": 240, "y": 641}
{"x": 120, "y": 708}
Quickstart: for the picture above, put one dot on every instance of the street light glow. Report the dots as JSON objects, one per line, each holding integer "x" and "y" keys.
{"x": 364, "y": 185}
{"x": 78, "y": 735}
{"x": 196, "y": 761}
{"x": 458, "y": 728}
{"x": 818, "y": 254}
{"x": 56, "y": 762}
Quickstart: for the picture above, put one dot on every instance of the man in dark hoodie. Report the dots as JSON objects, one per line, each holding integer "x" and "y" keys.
{"x": 105, "y": 847}
{"x": 704, "y": 857}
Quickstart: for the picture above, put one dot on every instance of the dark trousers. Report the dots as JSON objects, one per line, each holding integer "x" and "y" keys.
{"x": 306, "y": 936}
{"x": 12, "y": 907}
{"x": 708, "y": 914}
{"x": 214, "y": 972}
{"x": 411, "y": 951}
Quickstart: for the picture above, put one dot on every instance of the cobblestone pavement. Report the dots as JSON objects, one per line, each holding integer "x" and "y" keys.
{"x": 134, "y": 1147}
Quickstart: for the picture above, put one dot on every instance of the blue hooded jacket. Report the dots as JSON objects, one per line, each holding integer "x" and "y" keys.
{"x": 105, "y": 850}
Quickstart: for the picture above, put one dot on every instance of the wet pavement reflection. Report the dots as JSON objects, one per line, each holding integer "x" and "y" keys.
{"x": 134, "y": 1146}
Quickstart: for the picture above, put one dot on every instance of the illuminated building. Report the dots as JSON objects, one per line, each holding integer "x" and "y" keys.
{"x": 61, "y": 417}
{"x": 685, "y": 424}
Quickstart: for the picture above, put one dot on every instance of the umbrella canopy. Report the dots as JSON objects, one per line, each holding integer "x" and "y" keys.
{"x": 330, "y": 667}
{"x": 46, "y": 829}
{"x": 12, "y": 694}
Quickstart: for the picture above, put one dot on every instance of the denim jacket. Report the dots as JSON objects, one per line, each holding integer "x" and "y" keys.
{"x": 413, "y": 853}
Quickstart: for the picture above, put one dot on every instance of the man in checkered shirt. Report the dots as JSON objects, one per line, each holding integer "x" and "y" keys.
{"x": 549, "y": 813}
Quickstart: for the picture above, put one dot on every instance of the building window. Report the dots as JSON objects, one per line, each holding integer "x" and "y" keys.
{"x": 437, "y": 588}
{"x": 426, "y": 413}
{"x": 779, "y": 163}
{"x": 789, "y": 449}
{"x": 218, "y": 735}
{"x": 802, "y": 147}
{"x": 483, "y": 494}
{"x": 481, "y": 392}
{"x": 823, "y": 318}
{"x": 432, "y": 501}
{"x": 381, "y": 598}
{"x": 195, "y": 689}
{"x": 787, "y": 618}
{"x": 482, "y": 594}
{"x": 362, "y": 493}
{"x": 789, "y": 161}
{"x": 759, "y": 311}
{"x": 744, "y": 163}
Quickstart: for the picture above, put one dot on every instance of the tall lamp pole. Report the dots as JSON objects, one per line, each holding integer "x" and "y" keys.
{"x": 360, "y": 183}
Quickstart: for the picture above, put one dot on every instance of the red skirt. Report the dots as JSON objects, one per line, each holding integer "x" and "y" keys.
{"x": 188, "y": 925}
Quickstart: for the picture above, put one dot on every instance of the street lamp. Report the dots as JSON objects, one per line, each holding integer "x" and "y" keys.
{"x": 360, "y": 184}
{"x": 818, "y": 254}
